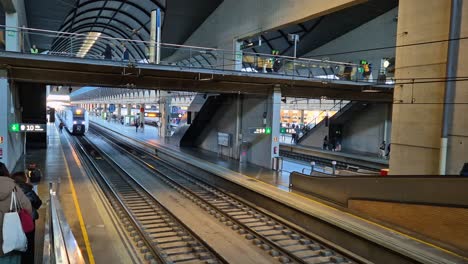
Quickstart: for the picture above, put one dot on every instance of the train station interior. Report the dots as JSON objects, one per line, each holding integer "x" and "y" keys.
{"x": 233, "y": 131}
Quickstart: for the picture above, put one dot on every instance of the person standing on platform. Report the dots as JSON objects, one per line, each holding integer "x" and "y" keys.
{"x": 7, "y": 186}
{"x": 325, "y": 143}
{"x": 333, "y": 144}
{"x": 61, "y": 125}
{"x": 136, "y": 125}
{"x": 382, "y": 149}
{"x": 142, "y": 126}
{"x": 22, "y": 181}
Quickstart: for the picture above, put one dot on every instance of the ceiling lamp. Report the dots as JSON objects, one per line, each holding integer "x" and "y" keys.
{"x": 88, "y": 43}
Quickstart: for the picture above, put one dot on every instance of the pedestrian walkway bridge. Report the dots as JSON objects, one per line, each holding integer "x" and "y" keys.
{"x": 188, "y": 69}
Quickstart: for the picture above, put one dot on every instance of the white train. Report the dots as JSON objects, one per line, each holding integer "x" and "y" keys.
{"x": 75, "y": 119}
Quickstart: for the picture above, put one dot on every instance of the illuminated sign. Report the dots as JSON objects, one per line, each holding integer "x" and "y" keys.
{"x": 34, "y": 128}
{"x": 153, "y": 114}
{"x": 260, "y": 130}
{"x": 284, "y": 130}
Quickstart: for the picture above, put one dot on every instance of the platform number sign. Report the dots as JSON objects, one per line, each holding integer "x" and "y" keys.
{"x": 30, "y": 128}
{"x": 260, "y": 130}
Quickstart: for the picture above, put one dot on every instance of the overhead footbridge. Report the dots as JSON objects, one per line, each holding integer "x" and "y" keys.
{"x": 298, "y": 78}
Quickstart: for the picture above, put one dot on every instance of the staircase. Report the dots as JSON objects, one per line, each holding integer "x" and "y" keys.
{"x": 202, "y": 120}
{"x": 340, "y": 117}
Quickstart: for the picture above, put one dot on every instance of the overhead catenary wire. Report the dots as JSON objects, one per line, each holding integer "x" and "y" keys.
{"x": 387, "y": 47}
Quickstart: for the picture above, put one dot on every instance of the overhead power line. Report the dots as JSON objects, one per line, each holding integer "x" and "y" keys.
{"x": 387, "y": 47}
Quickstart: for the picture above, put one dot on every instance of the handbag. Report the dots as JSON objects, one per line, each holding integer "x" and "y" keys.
{"x": 27, "y": 221}
{"x": 13, "y": 234}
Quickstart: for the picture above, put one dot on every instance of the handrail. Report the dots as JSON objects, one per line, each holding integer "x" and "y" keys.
{"x": 71, "y": 34}
{"x": 323, "y": 111}
{"x": 60, "y": 246}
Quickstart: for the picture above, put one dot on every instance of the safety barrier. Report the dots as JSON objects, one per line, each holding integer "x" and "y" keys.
{"x": 60, "y": 245}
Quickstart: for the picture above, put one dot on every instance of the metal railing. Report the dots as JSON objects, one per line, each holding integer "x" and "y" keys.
{"x": 333, "y": 110}
{"x": 95, "y": 45}
{"x": 60, "y": 245}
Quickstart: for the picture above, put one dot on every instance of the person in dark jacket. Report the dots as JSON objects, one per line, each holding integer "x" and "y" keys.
{"x": 3, "y": 170}
{"x": 107, "y": 52}
{"x": 22, "y": 181}
{"x": 125, "y": 54}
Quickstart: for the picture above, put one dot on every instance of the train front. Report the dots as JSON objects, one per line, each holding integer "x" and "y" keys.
{"x": 79, "y": 121}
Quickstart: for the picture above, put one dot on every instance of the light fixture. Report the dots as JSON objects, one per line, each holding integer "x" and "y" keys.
{"x": 370, "y": 90}
{"x": 386, "y": 63}
{"x": 88, "y": 43}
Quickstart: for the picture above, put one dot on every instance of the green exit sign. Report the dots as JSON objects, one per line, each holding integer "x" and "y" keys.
{"x": 260, "y": 130}
{"x": 15, "y": 127}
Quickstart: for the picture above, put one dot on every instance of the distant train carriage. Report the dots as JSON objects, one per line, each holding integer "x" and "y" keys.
{"x": 75, "y": 119}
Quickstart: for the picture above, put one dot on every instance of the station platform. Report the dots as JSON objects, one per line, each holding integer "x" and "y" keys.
{"x": 150, "y": 135}
{"x": 273, "y": 185}
{"x": 352, "y": 158}
{"x": 88, "y": 218}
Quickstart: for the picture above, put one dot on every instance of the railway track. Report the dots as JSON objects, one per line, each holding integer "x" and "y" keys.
{"x": 161, "y": 237}
{"x": 282, "y": 242}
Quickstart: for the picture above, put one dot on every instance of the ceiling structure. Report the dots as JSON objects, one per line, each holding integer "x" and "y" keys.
{"x": 319, "y": 31}
{"x": 130, "y": 19}
{"x": 124, "y": 19}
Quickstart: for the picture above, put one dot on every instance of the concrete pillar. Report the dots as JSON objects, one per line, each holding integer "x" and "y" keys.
{"x": 165, "y": 110}
{"x": 105, "y": 111}
{"x": 11, "y": 144}
{"x": 275, "y": 120}
{"x": 129, "y": 109}
{"x": 142, "y": 113}
{"x": 12, "y": 34}
{"x": 119, "y": 110}
{"x": 418, "y": 108}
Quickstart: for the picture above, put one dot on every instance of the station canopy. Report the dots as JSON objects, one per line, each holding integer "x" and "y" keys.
{"x": 124, "y": 19}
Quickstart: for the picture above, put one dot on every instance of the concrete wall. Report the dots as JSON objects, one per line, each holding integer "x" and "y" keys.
{"x": 365, "y": 131}
{"x": 10, "y": 112}
{"x": 235, "y": 19}
{"x": 224, "y": 121}
{"x": 416, "y": 131}
{"x": 458, "y": 139}
{"x": 316, "y": 140}
{"x": 379, "y": 32}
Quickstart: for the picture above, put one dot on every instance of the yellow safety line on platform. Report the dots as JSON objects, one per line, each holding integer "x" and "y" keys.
{"x": 78, "y": 211}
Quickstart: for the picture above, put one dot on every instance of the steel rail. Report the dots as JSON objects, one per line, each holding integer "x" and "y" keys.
{"x": 281, "y": 241}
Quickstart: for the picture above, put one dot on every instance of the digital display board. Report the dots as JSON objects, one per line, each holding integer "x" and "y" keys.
{"x": 30, "y": 128}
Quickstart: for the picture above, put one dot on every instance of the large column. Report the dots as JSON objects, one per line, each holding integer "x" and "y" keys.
{"x": 418, "y": 108}
{"x": 164, "y": 110}
{"x": 11, "y": 144}
{"x": 275, "y": 120}
{"x": 142, "y": 113}
{"x": 119, "y": 110}
{"x": 129, "y": 109}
